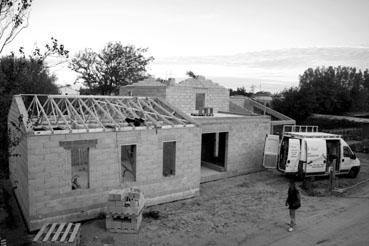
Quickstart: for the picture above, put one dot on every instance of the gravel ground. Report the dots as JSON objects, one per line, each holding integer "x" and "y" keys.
{"x": 232, "y": 211}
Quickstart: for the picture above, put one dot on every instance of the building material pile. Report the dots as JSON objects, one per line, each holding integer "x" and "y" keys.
{"x": 67, "y": 234}
{"x": 124, "y": 213}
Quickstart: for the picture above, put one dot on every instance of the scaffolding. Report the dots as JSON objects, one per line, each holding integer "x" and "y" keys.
{"x": 74, "y": 113}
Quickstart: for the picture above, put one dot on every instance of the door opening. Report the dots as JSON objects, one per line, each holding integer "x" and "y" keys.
{"x": 214, "y": 147}
{"x": 333, "y": 154}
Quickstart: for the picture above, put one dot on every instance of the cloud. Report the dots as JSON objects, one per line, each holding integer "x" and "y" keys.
{"x": 281, "y": 59}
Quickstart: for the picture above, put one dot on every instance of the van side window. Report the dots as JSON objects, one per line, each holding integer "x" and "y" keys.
{"x": 346, "y": 151}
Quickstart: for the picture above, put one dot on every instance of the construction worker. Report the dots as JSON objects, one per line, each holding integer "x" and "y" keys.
{"x": 293, "y": 202}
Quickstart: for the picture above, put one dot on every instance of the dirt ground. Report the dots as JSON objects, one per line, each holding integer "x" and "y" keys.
{"x": 246, "y": 210}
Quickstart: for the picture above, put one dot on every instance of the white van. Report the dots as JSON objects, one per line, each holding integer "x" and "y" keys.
{"x": 304, "y": 152}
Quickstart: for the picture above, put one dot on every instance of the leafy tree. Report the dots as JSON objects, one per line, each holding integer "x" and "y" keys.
{"x": 13, "y": 19}
{"x": 326, "y": 90}
{"x": 240, "y": 91}
{"x": 20, "y": 75}
{"x": 116, "y": 65}
{"x": 192, "y": 75}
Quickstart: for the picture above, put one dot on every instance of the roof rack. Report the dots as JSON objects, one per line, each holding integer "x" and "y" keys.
{"x": 299, "y": 128}
{"x": 313, "y": 135}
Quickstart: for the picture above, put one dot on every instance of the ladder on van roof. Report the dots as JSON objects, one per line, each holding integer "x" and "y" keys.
{"x": 299, "y": 128}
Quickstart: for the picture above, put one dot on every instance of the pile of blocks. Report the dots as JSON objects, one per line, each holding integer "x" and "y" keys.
{"x": 124, "y": 210}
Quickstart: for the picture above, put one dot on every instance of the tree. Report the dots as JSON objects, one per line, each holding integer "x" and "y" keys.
{"x": 13, "y": 19}
{"x": 240, "y": 91}
{"x": 20, "y": 76}
{"x": 326, "y": 90}
{"x": 192, "y": 75}
{"x": 116, "y": 65}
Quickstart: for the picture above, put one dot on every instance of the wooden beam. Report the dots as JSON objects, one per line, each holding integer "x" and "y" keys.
{"x": 60, "y": 113}
{"x": 115, "y": 109}
{"x": 76, "y": 113}
{"x": 155, "y": 122}
{"x": 180, "y": 113}
{"x": 45, "y": 115}
{"x": 92, "y": 113}
{"x": 106, "y": 113}
{"x": 156, "y": 113}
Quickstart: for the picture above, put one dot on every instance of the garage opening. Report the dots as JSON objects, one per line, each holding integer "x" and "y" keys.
{"x": 214, "y": 150}
{"x": 128, "y": 163}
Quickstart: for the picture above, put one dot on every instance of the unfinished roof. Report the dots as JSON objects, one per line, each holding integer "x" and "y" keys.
{"x": 277, "y": 117}
{"x": 147, "y": 82}
{"x": 200, "y": 82}
{"x": 52, "y": 114}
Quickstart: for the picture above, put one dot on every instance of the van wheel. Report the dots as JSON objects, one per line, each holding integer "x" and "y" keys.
{"x": 353, "y": 172}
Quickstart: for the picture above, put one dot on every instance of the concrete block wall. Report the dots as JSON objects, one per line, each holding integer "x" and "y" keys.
{"x": 240, "y": 101}
{"x": 145, "y": 91}
{"x": 18, "y": 168}
{"x": 50, "y": 193}
{"x": 246, "y": 138}
{"x": 184, "y": 97}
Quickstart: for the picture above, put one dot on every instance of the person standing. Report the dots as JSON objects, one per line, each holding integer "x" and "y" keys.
{"x": 294, "y": 202}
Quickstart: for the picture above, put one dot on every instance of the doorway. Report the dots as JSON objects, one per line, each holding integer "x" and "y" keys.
{"x": 214, "y": 147}
{"x": 333, "y": 154}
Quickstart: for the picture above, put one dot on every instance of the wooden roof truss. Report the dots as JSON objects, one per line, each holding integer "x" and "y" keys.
{"x": 53, "y": 113}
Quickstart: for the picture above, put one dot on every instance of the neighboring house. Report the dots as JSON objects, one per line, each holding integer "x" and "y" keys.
{"x": 278, "y": 119}
{"x": 232, "y": 137}
{"x": 67, "y": 90}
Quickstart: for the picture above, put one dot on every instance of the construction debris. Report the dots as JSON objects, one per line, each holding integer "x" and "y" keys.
{"x": 67, "y": 234}
{"x": 124, "y": 212}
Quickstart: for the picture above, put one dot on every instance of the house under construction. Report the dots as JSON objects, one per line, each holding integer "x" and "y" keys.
{"x": 232, "y": 136}
{"x": 72, "y": 150}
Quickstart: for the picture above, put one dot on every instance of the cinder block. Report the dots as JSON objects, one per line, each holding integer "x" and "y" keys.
{"x": 124, "y": 223}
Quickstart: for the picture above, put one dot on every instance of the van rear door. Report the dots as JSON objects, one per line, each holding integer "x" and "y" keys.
{"x": 271, "y": 151}
{"x": 293, "y": 156}
{"x": 316, "y": 155}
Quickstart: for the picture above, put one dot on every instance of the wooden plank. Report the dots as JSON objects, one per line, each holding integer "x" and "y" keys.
{"x": 40, "y": 232}
{"x": 105, "y": 112}
{"x": 44, "y": 113}
{"x": 92, "y": 113}
{"x": 74, "y": 233}
{"x": 156, "y": 113}
{"x": 49, "y": 232}
{"x": 56, "y": 236}
{"x": 66, "y": 232}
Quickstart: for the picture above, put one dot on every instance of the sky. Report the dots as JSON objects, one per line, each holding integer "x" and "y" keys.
{"x": 200, "y": 28}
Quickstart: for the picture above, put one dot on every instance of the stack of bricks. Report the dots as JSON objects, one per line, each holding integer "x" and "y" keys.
{"x": 124, "y": 212}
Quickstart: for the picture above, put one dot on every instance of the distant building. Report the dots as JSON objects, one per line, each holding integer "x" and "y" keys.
{"x": 67, "y": 90}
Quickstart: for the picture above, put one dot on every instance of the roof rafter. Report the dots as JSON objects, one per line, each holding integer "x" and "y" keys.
{"x": 50, "y": 113}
